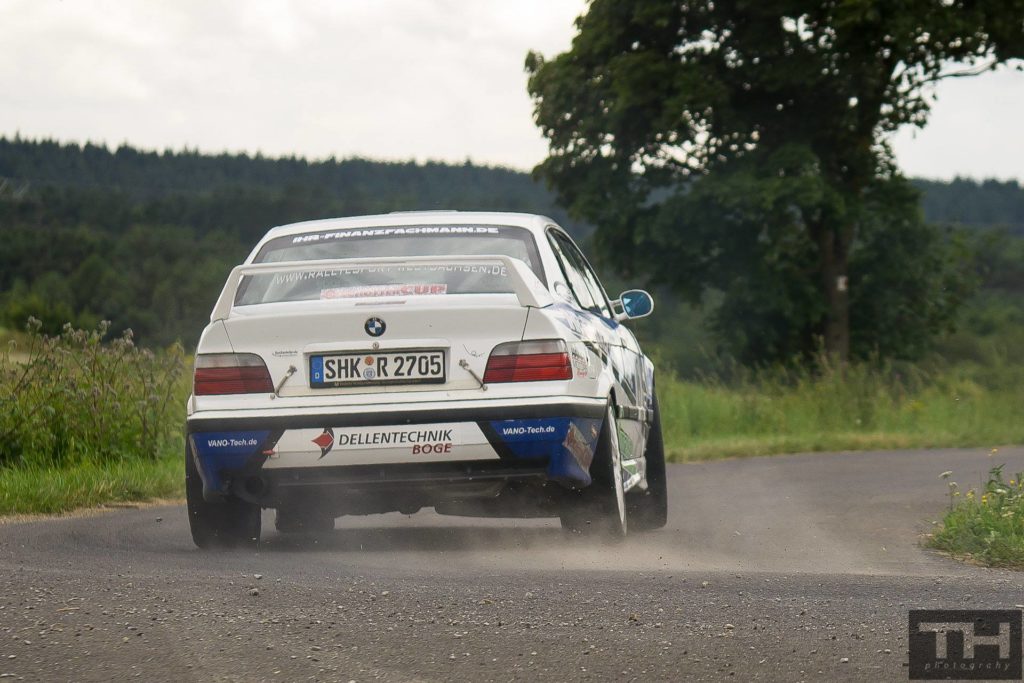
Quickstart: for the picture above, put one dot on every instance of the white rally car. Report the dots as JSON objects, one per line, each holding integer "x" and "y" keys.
{"x": 469, "y": 362}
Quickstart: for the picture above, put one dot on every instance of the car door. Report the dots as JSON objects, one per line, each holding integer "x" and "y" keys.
{"x": 621, "y": 351}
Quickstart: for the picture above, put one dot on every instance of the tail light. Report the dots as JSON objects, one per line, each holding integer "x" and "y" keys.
{"x": 231, "y": 373}
{"x": 528, "y": 361}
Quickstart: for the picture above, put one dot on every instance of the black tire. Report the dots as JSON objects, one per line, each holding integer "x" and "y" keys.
{"x": 291, "y": 521}
{"x": 600, "y": 509}
{"x": 231, "y": 523}
{"x": 648, "y": 510}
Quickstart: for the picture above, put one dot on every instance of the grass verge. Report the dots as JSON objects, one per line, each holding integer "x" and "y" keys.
{"x": 985, "y": 525}
{"x": 34, "y": 490}
{"x": 862, "y": 407}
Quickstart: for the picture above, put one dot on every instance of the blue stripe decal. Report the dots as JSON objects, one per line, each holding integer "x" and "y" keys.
{"x": 568, "y": 443}
{"x": 216, "y": 451}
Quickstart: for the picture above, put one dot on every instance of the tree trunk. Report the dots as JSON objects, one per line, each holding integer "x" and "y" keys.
{"x": 834, "y": 264}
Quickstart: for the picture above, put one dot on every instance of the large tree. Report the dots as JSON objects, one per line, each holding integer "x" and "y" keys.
{"x": 740, "y": 145}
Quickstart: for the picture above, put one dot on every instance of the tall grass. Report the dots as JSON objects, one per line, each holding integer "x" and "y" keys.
{"x": 860, "y": 406}
{"x": 87, "y": 484}
{"x": 76, "y": 397}
{"x": 86, "y": 420}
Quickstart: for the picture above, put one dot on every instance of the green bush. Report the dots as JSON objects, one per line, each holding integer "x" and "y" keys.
{"x": 987, "y": 526}
{"x": 75, "y": 398}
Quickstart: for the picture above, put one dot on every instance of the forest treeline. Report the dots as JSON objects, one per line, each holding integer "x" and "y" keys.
{"x": 145, "y": 239}
{"x": 972, "y": 203}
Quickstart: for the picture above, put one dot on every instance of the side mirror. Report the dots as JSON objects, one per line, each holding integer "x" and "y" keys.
{"x": 635, "y": 303}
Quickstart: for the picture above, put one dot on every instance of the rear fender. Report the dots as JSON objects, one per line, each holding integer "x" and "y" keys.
{"x": 215, "y": 339}
{"x": 590, "y": 350}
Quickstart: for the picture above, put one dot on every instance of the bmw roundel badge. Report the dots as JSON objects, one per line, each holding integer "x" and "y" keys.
{"x": 375, "y": 327}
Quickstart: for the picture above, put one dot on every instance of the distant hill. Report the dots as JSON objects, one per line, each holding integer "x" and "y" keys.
{"x": 145, "y": 239}
{"x": 248, "y": 194}
{"x": 987, "y": 203}
{"x": 359, "y": 186}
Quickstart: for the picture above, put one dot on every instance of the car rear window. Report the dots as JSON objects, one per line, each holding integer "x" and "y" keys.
{"x": 390, "y": 280}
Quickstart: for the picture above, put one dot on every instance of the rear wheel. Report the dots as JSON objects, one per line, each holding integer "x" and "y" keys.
{"x": 648, "y": 510}
{"x": 600, "y": 509}
{"x": 292, "y": 521}
{"x": 231, "y": 523}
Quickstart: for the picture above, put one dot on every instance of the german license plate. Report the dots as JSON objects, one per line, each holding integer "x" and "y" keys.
{"x": 392, "y": 367}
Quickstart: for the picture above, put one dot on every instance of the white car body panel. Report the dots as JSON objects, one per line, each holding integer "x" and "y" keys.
{"x": 362, "y": 446}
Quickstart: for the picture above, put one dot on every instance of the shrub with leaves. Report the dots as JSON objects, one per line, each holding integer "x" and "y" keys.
{"x": 77, "y": 397}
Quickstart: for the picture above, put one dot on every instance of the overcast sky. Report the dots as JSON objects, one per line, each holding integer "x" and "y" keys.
{"x": 387, "y": 79}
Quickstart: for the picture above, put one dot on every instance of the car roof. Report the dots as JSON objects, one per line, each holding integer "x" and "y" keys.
{"x": 533, "y": 222}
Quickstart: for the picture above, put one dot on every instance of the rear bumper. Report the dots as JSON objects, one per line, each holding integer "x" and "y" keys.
{"x": 427, "y": 453}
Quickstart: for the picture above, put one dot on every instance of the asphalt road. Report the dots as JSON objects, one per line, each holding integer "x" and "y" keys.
{"x": 787, "y": 568}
